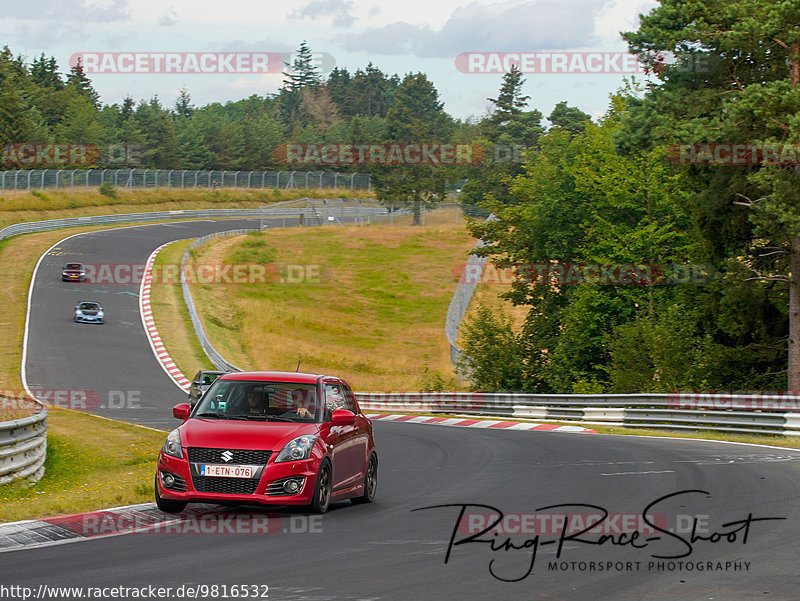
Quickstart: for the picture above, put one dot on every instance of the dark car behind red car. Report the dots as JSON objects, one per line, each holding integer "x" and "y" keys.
{"x": 73, "y": 272}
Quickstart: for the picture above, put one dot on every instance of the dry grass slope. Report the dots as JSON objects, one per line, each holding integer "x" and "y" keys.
{"x": 375, "y": 315}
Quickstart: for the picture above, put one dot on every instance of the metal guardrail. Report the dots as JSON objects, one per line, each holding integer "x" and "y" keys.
{"x": 216, "y": 358}
{"x": 23, "y": 447}
{"x": 179, "y": 178}
{"x": 749, "y": 414}
{"x": 461, "y": 298}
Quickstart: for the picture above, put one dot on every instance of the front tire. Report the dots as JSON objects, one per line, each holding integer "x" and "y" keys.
{"x": 370, "y": 482}
{"x": 322, "y": 490}
{"x": 166, "y": 505}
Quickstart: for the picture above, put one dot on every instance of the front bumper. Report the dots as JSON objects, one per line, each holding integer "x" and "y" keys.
{"x": 88, "y": 319}
{"x": 264, "y": 488}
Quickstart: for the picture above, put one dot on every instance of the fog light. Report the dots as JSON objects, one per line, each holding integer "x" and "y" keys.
{"x": 291, "y": 486}
{"x": 167, "y": 479}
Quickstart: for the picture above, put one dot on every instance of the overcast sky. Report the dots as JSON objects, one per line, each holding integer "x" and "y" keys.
{"x": 398, "y": 37}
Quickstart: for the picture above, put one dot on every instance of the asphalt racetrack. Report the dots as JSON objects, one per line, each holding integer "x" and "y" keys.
{"x": 111, "y": 364}
{"x": 723, "y": 517}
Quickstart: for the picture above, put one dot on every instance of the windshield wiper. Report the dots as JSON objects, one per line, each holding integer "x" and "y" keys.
{"x": 219, "y": 415}
{"x": 270, "y": 418}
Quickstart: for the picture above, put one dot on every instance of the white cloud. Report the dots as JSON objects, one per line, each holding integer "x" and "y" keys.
{"x": 340, "y": 10}
{"x": 511, "y": 26}
{"x": 170, "y": 17}
{"x": 65, "y": 10}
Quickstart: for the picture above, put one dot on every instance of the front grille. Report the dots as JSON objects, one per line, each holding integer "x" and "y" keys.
{"x": 240, "y": 456}
{"x": 226, "y": 486}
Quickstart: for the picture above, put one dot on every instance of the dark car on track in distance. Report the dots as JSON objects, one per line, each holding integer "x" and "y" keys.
{"x": 269, "y": 438}
{"x": 200, "y": 383}
{"x": 88, "y": 312}
{"x": 73, "y": 272}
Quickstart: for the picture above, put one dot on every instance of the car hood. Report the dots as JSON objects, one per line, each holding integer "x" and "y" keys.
{"x": 235, "y": 434}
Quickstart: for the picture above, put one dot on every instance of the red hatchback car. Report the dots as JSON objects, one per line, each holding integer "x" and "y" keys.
{"x": 269, "y": 438}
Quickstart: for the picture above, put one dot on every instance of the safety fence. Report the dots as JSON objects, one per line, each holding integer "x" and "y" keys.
{"x": 751, "y": 414}
{"x": 460, "y": 302}
{"x": 23, "y": 446}
{"x": 216, "y": 358}
{"x": 69, "y": 179}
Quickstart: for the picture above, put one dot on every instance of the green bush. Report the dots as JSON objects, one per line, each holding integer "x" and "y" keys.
{"x": 108, "y": 189}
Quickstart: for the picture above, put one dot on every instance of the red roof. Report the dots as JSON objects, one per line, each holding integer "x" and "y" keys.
{"x": 274, "y": 376}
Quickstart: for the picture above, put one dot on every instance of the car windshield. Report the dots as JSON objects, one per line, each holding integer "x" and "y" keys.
{"x": 89, "y": 307}
{"x": 73, "y": 266}
{"x": 209, "y": 378}
{"x": 259, "y": 401}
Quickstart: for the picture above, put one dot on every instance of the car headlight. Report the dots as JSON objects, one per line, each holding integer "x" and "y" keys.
{"x": 100, "y": 314}
{"x": 297, "y": 449}
{"x": 172, "y": 446}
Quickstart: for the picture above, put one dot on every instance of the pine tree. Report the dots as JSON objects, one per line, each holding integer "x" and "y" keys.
{"x": 509, "y": 102}
{"x": 77, "y": 80}
{"x": 302, "y": 72}
{"x": 569, "y": 118}
{"x": 44, "y": 73}
{"x": 183, "y": 105}
{"x": 416, "y": 116}
{"x": 15, "y": 125}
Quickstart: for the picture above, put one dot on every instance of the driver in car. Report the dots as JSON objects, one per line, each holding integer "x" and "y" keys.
{"x": 257, "y": 401}
{"x": 303, "y": 402}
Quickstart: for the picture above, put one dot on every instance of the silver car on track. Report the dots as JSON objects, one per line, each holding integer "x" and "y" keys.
{"x": 89, "y": 312}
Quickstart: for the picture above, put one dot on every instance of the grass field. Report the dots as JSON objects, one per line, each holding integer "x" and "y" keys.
{"x": 91, "y": 463}
{"x": 365, "y": 303}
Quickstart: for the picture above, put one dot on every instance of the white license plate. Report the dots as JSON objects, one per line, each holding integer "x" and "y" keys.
{"x": 227, "y": 471}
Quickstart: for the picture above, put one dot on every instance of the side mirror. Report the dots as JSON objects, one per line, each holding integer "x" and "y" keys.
{"x": 196, "y": 383}
{"x": 343, "y": 417}
{"x": 181, "y": 411}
